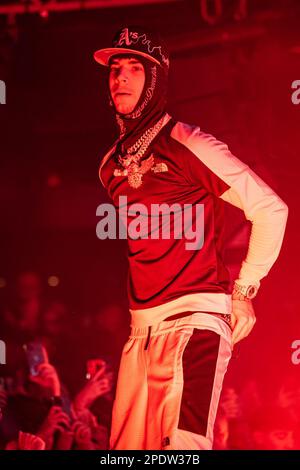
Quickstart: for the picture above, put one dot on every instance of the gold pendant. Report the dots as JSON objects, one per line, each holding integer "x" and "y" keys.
{"x": 135, "y": 180}
{"x": 135, "y": 176}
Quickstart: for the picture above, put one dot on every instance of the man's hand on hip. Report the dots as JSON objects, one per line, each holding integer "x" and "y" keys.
{"x": 242, "y": 318}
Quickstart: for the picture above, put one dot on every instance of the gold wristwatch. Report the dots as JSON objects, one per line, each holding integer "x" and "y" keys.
{"x": 249, "y": 291}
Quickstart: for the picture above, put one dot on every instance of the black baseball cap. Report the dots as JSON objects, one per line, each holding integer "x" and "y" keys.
{"x": 137, "y": 40}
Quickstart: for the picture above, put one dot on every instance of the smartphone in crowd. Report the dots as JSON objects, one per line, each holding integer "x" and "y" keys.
{"x": 36, "y": 354}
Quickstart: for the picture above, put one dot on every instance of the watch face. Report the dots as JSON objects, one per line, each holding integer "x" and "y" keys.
{"x": 251, "y": 292}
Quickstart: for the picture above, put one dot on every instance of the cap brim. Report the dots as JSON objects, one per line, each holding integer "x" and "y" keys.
{"x": 103, "y": 55}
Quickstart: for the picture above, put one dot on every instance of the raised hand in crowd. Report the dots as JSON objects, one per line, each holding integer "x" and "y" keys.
{"x": 56, "y": 421}
{"x": 47, "y": 378}
{"x": 82, "y": 436}
{"x": 97, "y": 386}
{"x": 27, "y": 441}
{"x": 89, "y": 434}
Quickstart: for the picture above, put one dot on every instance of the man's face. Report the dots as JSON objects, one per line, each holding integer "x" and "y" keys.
{"x": 126, "y": 82}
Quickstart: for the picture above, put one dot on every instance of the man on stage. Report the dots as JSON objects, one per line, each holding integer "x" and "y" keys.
{"x": 185, "y": 318}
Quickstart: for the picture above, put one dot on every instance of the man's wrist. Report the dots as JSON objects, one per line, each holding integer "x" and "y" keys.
{"x": 238, "y": 296}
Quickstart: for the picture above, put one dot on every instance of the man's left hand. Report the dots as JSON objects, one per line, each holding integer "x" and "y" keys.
{"x": 242, "y": 319}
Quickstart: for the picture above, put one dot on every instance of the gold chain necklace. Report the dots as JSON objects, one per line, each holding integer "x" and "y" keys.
{"x": 131, "y": 161}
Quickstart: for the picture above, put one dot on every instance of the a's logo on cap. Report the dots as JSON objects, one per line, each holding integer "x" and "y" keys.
{"x": 125, "y": 37}
{"x": 142, "y": 43}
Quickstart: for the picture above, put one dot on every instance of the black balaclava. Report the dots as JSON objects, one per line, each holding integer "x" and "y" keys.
{"x": 150, "y": 107}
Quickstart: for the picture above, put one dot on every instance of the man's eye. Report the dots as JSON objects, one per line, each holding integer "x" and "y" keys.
{"x": 136, "y": 68}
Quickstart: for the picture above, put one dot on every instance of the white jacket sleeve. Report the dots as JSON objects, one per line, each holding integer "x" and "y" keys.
{"x": 268, "y": 215}
{"x": 244, "y": 189}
